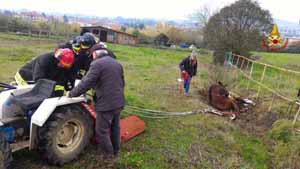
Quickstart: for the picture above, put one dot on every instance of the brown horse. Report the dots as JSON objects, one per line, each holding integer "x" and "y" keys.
{"x": 219, "y": 97}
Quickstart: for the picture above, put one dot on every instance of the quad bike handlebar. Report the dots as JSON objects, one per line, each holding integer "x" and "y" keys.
{"x": 7, "y": 86}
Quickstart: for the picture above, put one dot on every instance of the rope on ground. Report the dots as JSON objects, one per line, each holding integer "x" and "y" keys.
{"x": 157, "y": 114}
{"x": 161, "y": 112}
{"x": 144, "y": 116}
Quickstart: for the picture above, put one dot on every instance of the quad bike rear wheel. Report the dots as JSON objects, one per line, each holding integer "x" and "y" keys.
{"x": 5, "y": 152}
{"x": 64, "y": 136}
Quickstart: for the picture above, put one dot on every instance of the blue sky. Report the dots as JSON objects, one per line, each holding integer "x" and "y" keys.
{"x": 159, "y": 9}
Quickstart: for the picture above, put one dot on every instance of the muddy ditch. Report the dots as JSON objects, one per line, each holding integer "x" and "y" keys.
{"x": 256, "y": 120}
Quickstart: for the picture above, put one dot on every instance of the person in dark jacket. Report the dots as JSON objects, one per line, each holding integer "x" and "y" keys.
{"x": 102, "y": 45}
{"x": 107, "y": 78}
{"x": 188, "y": 68}
{"x": 53, "y": 66}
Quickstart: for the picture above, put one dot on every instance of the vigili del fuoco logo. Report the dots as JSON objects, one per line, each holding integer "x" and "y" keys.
{"x": 274, "y": 41}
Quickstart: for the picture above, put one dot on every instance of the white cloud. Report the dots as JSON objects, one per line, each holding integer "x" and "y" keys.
{"x": 285, "y": 9}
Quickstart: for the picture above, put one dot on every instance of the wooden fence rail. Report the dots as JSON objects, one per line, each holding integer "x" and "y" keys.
{"x": 249, "y": 69}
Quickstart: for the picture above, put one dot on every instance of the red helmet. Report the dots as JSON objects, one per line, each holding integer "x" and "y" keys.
{"x": 65, "y": 57}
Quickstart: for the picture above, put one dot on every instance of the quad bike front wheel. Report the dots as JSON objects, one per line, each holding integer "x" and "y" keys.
{"x": 5, "y": 152}
{"x": 64, "y": 136}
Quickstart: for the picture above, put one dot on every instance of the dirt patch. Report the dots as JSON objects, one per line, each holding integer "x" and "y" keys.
{"x": 255, "y": 122}
{"x": 203, "y": 94}
{"x": 90, "y": 159}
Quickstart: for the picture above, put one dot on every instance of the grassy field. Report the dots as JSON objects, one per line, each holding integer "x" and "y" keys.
{"x": 195, "y": 141}
{"x": 287, "y": 83}
{"x": 290, "y": 61}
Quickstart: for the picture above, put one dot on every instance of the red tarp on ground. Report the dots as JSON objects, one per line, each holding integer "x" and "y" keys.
{"x": 131, "y": 126}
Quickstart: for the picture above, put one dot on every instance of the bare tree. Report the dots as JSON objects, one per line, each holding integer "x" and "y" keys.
{"x": 238, "y": 28}
{"x": 201, "y": 16}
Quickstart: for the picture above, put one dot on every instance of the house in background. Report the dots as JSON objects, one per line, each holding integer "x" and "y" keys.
{"x": 162, "y": 40}
{"x": 110, "y": 35}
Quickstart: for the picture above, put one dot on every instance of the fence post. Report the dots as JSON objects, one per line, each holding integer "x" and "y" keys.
{"x": 237, "y": 62}
{"x": 250, "y": 75}
{"x": 273, "y": 95}
{"x": 296, "y": 116}
{"x": 261, "y": 79}
{"x": 228, "y": 59}
{"x": 247, "y": 67}
{"x": 242, "y": 65}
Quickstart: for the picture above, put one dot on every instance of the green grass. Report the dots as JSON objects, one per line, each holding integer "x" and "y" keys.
{"x": 285, "y": 83}
{"x": 195, "y": 141}
{"x": 287, "y": 60}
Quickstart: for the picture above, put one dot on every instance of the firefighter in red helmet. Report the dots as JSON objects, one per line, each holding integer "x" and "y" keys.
{"x": 53, "y": 66}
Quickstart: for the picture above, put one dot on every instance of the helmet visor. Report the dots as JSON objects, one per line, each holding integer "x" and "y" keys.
{"x": 85, "y": 45}
{"x": 64, "y": 65}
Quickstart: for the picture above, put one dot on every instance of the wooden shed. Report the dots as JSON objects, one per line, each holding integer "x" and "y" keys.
{"x": 162, "y": 40}
{"x": 112, "y": 36}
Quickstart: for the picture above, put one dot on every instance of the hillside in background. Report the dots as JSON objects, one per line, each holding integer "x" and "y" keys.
{"x": 96, "y": 20}
{"x": 288, "y": 29}
{"x": 283, "y": 23}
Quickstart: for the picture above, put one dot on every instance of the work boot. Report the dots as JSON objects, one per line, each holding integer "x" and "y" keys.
{"x": 100, "y": 151}
{"x": 105, "y": 155}
{"x": 111, "y": 161}
{"x": 116, "y": 154}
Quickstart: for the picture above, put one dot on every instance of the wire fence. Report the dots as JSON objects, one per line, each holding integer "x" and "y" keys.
{"x": 275, "y": 86}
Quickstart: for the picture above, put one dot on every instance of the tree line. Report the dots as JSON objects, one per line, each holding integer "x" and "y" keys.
{"x": 239, "y": 27}
{"x": 55, "y": 26}
{"x": 175, "y": 34}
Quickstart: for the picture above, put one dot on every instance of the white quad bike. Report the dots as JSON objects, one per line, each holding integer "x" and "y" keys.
{"x": 58, "y": 127}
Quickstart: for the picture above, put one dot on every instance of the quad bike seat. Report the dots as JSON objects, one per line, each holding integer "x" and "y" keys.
{"x": 42, "y": 90}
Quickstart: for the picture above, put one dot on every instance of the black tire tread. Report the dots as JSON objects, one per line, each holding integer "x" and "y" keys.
{"x": 5, "y": 151}
{"x": 46, "y": 133}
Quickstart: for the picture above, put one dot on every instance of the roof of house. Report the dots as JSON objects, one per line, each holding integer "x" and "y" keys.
{"x": 162, "y": 37}
{"x": 108, "y": 29}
